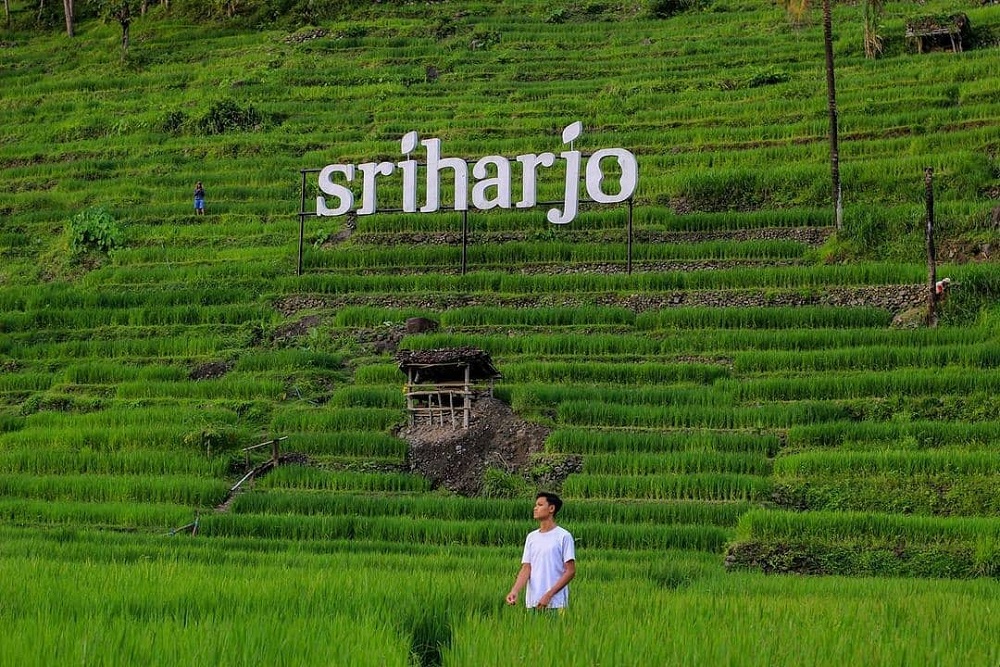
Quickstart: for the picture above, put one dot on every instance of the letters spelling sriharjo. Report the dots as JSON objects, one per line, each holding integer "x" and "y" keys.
{"x": 488, "y": 191}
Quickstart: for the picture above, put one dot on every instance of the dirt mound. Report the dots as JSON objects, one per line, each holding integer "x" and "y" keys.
{"x": 291, "y": 330}
{"x": 457, "y": 458}
{"x": 211, "y": 370}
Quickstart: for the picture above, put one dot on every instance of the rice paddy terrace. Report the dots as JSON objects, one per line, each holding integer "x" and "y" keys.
{"x": 744, "y": 410}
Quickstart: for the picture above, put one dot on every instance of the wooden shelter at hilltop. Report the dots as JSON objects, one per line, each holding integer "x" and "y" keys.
{"x": 931, "y": 31}
{"x": 441, "y": 384}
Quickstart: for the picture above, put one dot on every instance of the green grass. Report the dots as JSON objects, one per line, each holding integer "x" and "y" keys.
{"x": 740, "y": 399}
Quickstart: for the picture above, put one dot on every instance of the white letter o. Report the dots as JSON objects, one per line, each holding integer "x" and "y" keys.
{"x": 627, "y": 182}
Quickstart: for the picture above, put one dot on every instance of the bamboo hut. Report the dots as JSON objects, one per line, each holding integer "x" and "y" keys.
{"x": 441, "y": 385}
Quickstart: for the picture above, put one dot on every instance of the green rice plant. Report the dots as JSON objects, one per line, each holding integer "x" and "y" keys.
{"x": 103, "y": 438}
{"x": 476, "y": 316}
{"x": 149, "y": 415}
{"x": 370, "y": 641}
{"x": 285, "y": 360}
{"x": 612, "y": 373}
{"x": 197, "y": 612}
{"x": 514, "y": 253}
{"x": 369, "y": 397}
{"x": 9, "y": 422}
{"x": 675, "y": 462}
{"x": 176, "y": 489}
{"x": 299, "y": 477}
{"x": 812, "y": 317}
{"x": 985, "y": 355}
{"x": 233, "y": 387}
{"x": 339, "y": 419}
{"x": 669, "y": 487}
{"x": 754, "y": 346}
{"x": 642, "y": 537}
{"x": 378, "y": 374}
{"x": 21, "y": 382}
{"x": 129, "y": 515}
{"x": 590, "y": 441}
{"x": 103, "y": 372}
{"x": 935, "y": 493}
{"x": 186, "y": 346}
{"x": 857, "y": 463}
{"x": 59, "y": 460}
{"x": 481, "y": 509}
{"x": 432, "y": 531}
{"x": 533, "y": 396}
{"x": 580, "y": 413}
{"x": 152, "y": 315}
{"x": 866, "y": 528}
{"x": 895, "y": 613}
{"x": 370, "y": 316}
{"x": 347, "y": 443}
{"x": 842, "y": 385}
{"x": 770, "y": 277}
{"x": 895, "y": 435}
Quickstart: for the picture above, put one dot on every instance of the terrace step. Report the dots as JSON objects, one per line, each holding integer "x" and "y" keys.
{"x": 575, "y": 268}
{"x": 894, "y": 298}
{"x": 813, "y": 236}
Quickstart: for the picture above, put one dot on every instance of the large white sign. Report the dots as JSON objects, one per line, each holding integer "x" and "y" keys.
{"x": 492, "y": 187}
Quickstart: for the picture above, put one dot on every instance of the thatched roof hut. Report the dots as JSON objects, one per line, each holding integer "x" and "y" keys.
{"x": 929, "y": 31}
{"x": 447, "y": 365}
{"x": 440, "y": 383}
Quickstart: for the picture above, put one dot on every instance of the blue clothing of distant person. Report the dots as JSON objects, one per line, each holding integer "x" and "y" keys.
{"x": 199, "y": 199}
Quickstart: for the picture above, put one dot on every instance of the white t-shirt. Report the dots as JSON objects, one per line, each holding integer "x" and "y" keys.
{"x": 547, "y": 553}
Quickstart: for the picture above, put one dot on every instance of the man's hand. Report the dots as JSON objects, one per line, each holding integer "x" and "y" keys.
{"x": 512, "y": 598}
{"x": 543, "y": 602}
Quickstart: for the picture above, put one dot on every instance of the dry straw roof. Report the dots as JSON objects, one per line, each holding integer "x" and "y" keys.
{"x": 448, "y": 363}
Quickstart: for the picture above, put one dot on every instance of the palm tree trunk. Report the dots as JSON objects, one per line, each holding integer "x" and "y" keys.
{"x": 68, "y": 11}
{"x": 831, "y": 93}
{"x": 6, "y": 11}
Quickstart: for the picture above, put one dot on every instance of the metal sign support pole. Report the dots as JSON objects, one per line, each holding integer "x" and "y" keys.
{"x": 630, "y": 236}
{"x": 465, "y": 239}
{"x": 302, "y": 220}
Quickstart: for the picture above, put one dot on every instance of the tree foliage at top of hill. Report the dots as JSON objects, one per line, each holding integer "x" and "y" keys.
{"x": 50, "y": 16}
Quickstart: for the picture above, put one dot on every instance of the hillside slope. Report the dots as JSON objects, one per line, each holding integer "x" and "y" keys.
{"x": 740, "y": 401}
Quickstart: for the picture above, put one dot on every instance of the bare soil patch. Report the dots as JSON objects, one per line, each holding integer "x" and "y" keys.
{"x": 300, "y": 327}
{"x": 457, "y": 458}
{"x": 210, "y": 370}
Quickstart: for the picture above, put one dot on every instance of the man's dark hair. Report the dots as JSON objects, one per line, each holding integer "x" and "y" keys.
{"x": 551, "y": 499}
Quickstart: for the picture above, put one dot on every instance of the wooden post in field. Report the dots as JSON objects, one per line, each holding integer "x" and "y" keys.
{"x": 467, "y": 396}
{"x": 932, "y": 297}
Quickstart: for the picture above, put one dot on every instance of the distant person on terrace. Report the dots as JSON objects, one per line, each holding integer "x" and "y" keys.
{"x": 549, "y": 560}
{"x": 199, "y": 199}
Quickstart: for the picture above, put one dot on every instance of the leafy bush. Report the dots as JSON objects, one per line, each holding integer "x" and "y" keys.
{"x": 767, "y": 77}
{"x": 93, "y": 229}
{"x": 502, "y": 484}
{"x": 173, "y": 122}
{"x": 227, "y": 116}
{"x": 662, "y": 9}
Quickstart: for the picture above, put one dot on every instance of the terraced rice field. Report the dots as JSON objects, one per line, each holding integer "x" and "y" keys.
{"x": 740, "y": 403}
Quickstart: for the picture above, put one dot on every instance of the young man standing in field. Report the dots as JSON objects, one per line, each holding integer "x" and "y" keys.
{"x": 549, "y": 560}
